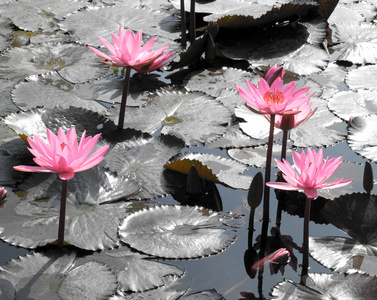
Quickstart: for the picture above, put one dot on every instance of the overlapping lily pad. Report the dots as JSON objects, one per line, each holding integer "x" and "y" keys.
{"x": 52, "y": 275}
{"x": 187, "y": 116}
{"x": 328, "y": 286}
{"x": 362, "y": 78}
{"x": 175, "y": 232}
{"x": 362, "y": 136}
{"x": 91, "y": 223}
{"x": 74, "y": 62}
{"x": 141, "y": 159}
{"x": 228, "y": 171}
{"x": 135, "y": 272}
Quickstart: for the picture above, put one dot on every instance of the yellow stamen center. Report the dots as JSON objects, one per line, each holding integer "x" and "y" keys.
{"x": 273, "y": 97}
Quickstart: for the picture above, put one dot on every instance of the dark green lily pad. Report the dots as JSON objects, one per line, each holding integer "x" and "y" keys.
{"x": 362, "y": 136}
{"x": 74, "y": 62}
{"x": 135, "y": 272}
{"x": 187, "y": 116}
{"x": 53, "y": 276}
{"x": 173, "y": 231}
{"x": 328, "y": 286}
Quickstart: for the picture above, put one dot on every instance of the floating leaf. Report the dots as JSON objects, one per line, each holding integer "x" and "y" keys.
{"x": 362, "y": 78}
{"x": 184, "y": 166}
{"x": 357, "y": 42}
{"x": 91, "y": 22}
{"x": 226, "y": 170}
{"x": 6, "y": 104}
{"x": 186, "y": 116}
{"x": 141, "y": 158}
{"x": 36, "y": 121}
{"x": 362, "y": 136}
{"x": 50, "y": 90}
{"x": 175, "y": 232}
{"x": 74, "y": 62}
{"x": 328, "y": 286}
{"x": 353, "y": 104}
{"x": 53, "y": 276}
{"x": 40, "y": 14}
{"x": 135, "y": 272}
{"x": 91, "y": 223}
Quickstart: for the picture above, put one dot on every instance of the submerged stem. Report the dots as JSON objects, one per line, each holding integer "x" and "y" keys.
{"x": 192, "y": 22}
{"x": 284, "y": 145}
{"x": 305, "y": 245}
{"x": 183, "y": 24}
{"x": 124, "y": 97}
{"x": 63, "y": 204}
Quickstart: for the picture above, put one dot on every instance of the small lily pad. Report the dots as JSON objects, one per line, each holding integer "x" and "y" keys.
{"x": 175, "y": 232}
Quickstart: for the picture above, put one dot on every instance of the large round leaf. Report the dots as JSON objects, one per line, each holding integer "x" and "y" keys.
{"x": 175, "y": 232}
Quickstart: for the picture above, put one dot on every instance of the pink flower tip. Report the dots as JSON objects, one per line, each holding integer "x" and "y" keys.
{"x": 278, "y": 256}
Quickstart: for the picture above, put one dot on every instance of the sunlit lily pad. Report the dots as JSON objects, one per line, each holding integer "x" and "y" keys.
{"x": 362, "y": 78}
{"x": 357, "y": 42}
{"x": 74, "y": 62}
{"x": 33, "y": 15}
{"x": 6, "y": 104}
{"x": 91, "y": 22}
{"x": 53, "y": 276}
{"x": 91, "y": 223}
{"x": 50, "y": 90}
{"x": 344, "y": 255}
{"x": 328, "y": 286}
{"x": 228, "y": 171}
{"x": 362, "y": 136}
{"x": 171, "y": 292}
{"x": 141, "y": 159}
{"x": 187, "y": 116}
{"x": 332, "y": 77}
{"x": 36, "y": 121}
{"x": 175, "y": 232}
{"x": 135, "y": 272}
{"x": 345, "y": 14}
{"x": 353, "y": 104}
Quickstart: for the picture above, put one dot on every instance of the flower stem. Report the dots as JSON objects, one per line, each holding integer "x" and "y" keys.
{"x": 305, "y": 245}
{"x": 124, "y": 98}
{"x": 63, "y": 204}
{"x": 192, "y": 22}
{"x": 284, "y": 145}
{"x": 183, "y": 24}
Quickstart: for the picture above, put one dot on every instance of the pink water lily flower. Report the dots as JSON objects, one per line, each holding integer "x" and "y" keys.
{"x": 288, "y": 122}
{"x": 3, "y": 194}
{"x": 308, "y": 173}
{"x": 273, "y": 73}
{"x": 63, "y": 154}
{"x": 127, "y": 51}
{"x": 274, "y": 99}
{"x": 279, "y": 256}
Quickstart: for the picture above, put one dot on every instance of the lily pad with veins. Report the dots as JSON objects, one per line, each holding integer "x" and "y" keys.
{"x": 362, "y": 136}
{"x": 227, "y": 171}
{"x": 362, "y": 78}
{"x": 91, "y": 218}
{"x": 136, "y": 272}
{"x": 52, "y": 275}
{"x": 328, "y": 286}
{"x": 173, "y": 231}
{"x": 74, "y": 62}
{"x": 188, "y": 116}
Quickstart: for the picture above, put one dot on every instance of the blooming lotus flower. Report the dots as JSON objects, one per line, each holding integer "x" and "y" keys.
{"x": 288, "y": 122}
{"x": 127, "y": 51}
{"x": 63, "y": 155}
{"x": 274, "y": 99}
{"x": 308, "y": 173}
